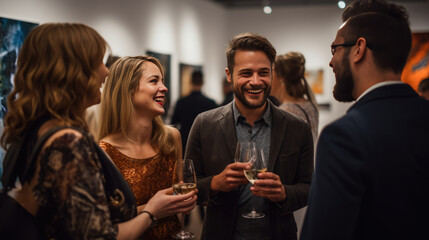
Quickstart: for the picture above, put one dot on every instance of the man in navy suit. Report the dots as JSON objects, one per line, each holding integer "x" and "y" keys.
{"x": 372, "y": 166}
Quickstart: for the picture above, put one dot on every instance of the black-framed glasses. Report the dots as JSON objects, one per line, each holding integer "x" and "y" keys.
{"x": 334, "y": 46}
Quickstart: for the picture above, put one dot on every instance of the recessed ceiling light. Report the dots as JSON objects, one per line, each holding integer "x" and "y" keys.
{"x": 341, "y": 4}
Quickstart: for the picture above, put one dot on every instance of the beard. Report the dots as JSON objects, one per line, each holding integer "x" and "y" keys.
{"x": 239, "y": 94}
{"x": 343, "y": 89}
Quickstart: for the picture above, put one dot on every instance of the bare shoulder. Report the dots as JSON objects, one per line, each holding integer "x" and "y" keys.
{"x": 174, "y": 131}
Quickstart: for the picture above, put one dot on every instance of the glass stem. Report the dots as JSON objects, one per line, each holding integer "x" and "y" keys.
{"x": 253, "y": 203}
{"x": 182, "y": 223}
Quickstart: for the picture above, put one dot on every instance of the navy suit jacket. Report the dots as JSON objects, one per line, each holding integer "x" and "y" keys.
{"x": 372, "y": 170}
{"x": 211, "y": 145}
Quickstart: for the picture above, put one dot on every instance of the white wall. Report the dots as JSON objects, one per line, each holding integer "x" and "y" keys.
{"x": 310, "y": 30}
{"x": 191, "y": 31}
{"x": 197, "y": 31}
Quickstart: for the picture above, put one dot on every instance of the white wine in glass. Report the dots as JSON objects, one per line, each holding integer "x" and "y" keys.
{"x": 252, "y": 174}
{"x": 184, "y": 181}
{"x": 258, "y": 165}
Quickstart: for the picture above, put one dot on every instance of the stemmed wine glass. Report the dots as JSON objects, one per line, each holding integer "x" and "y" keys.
{"x": 258, "y": 165}
{"x": 184, "y": 181}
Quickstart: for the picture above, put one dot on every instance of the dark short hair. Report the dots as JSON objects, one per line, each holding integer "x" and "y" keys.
{"x": 387, "y": 37}
{"x": 423, "y": 85}
{"x": 378, "y": 6}
{"x": 250, "y": 42}
{"x": 197, "y": 78}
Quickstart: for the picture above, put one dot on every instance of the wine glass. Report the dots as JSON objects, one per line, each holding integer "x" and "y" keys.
{"x": 238, "y": 152}
{"x": 258, "y": 165}
{"x": 184, "y": 181}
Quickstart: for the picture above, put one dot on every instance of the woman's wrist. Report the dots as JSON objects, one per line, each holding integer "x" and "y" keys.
{"x": 151, "y": 216}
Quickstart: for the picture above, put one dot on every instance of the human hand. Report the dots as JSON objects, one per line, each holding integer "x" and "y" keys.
{"x": 230, "y": 178}
{"x": 268, "y": 185}
{"x": 164, "y": 204}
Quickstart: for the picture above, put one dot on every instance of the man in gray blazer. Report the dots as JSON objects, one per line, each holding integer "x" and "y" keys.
{"x": 285, "y": 139}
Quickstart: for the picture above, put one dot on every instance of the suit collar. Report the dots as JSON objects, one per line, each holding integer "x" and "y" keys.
{"x": 227, "y": 127}
{"x": 387, "y": 91}
{"x": 266, "y": 116}
{"x": 278, "y": 127}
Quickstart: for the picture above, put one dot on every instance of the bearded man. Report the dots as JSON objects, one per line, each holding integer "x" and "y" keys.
{"x": 371, "y": 179}
{"x": 285, "y": 139}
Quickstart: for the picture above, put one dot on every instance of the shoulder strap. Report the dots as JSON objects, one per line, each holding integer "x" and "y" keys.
{"x": 14, "y": 158}
{"x": 305, "y": 113}
{"x": 29, "y": 169}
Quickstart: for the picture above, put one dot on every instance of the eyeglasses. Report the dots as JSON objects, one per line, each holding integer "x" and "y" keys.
{"x": 334, "y": 46}
{"x": 349, "y": 44}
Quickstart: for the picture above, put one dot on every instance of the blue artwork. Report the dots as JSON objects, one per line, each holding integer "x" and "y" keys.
{"x": 12, "y": 35}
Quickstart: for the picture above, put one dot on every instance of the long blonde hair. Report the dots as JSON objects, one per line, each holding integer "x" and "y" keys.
{"x": 57, "y": 73}
{"x": 116, "y": 107}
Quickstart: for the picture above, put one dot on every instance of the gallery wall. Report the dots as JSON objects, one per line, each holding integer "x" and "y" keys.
{"x": 191, "y": 31}
{"x": 196, "y": 32}
{"x": 311, "y": 30}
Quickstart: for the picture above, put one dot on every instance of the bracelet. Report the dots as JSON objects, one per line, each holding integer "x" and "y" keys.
{"x": 151, "y": 216}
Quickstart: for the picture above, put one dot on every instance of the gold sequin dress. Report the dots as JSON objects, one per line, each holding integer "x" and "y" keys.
{"x": 146, "y": 177}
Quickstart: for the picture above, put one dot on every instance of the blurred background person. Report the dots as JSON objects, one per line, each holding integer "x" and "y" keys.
{"x": 185, "y": 112}
{"x": 187, "y": 108}
{"x": 424, "y": 88}
{"x": 228, "y": 92}
{"x": 291, "y": 89}
{"x": 134, "y": 135}
{"x": 68, "y": 188}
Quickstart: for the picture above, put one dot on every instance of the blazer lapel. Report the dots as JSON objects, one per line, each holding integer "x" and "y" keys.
{"x": 227, "y": 127}
{"x": 278, "y": 132}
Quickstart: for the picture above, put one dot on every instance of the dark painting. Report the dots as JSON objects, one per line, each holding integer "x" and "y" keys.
{"x": 12, "y": 35}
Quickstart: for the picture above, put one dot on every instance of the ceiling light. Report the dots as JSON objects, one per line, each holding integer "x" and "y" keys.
{"x": 341, "y": 4}
{"x": 267, "y": 9}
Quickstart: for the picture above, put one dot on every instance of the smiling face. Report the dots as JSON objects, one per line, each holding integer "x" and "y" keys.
{"x": 149, "y": 96}
{"x": 251, "y": 79}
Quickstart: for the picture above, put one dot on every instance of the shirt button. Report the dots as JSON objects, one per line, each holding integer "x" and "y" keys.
{"x": 250, "y": 131}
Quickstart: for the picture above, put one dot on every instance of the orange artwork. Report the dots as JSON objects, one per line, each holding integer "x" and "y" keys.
{"x": 315, "y": 80}
{"x": 417, "y": 67}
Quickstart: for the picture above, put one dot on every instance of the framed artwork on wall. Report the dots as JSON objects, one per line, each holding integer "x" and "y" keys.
{"x": 417, "y": 66}
{"x": 315, "y": 80}
{"x": 12, "y": 35}
{"x": 165, "y": 60}
{"x": 186, "y": 71}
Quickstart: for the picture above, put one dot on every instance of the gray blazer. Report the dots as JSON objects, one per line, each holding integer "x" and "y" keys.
{"x": 211, "y": 145}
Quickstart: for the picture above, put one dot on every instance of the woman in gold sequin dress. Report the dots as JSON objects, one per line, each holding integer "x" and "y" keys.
{"x": 134, "y": 135}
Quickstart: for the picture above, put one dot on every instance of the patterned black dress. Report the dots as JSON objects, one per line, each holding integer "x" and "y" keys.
{"x": 81, "y": 194}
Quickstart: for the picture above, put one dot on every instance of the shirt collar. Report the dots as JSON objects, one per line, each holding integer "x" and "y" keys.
{"x": 377, "y": 85}
{"x": 266, "y": 117}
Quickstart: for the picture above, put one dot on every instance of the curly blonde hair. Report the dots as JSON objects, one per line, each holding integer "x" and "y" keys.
{"x": 117, "y": 108}
{"x": 57, "y": 73}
